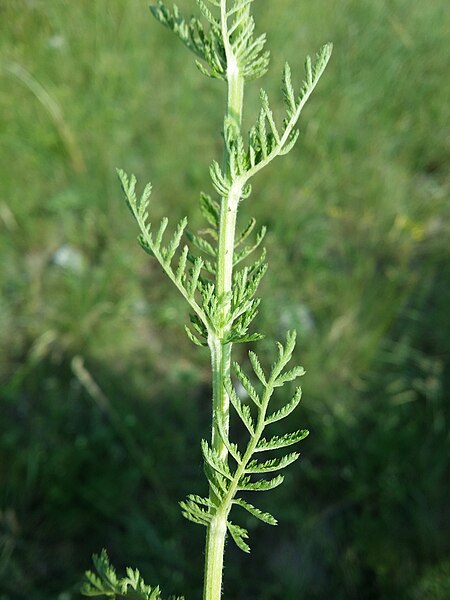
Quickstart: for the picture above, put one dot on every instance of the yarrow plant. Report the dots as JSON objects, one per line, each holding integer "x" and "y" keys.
{"x": 219, "y": 280}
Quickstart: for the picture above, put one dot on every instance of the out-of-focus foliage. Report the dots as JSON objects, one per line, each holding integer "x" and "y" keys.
{"x": 97, "y": 378}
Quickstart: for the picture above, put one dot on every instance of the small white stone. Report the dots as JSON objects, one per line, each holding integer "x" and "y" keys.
{"x": 56, "y": 41}
{"x": 68, "y": 257}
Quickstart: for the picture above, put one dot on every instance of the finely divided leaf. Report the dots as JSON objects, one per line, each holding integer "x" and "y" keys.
{"x": 192, "y": 510}
{"x": 289, "y": 376}
{"x": 262, "y": 485}
{"x": 245, "y": 252}
{"x": 257, "y": 367}
{"x": 169, "y": 252}
{"x": 256, "y": 512}
{"x": 193, "y": 338}
{"x": 214, "y": 461}
{"x": 286, "y": 409}
{"x": 288, "y": 91}
{"x": 202, "y": 244}
{"x": 243, "y": 410}
{"x": 281, "y": 441}
{"x": 232, "y": 448}
{"x": 239, "y": 534}
{"x": 275, "y": 464}
{"x": 145, "y": 245}
{"x": 159, "y": 235}
{"x": 246, "y": 384}
{"x": 210, "y": 210}
{"x": 180, "y": 274}
{"x": 106, "y": 583}
{"x": 245, "y": 233}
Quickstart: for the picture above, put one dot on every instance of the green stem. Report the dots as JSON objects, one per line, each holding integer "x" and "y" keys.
{"x": 215, "y": 546}
{"x": 220, "y": 351}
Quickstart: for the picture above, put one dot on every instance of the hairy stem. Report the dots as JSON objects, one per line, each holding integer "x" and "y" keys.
{"x": 220, "y": 351}
{"x": 215, "y": 546}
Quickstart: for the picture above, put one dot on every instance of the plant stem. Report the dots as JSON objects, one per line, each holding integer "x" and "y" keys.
{"x": 215, "y": 545}
{"x": 220, "y": 351}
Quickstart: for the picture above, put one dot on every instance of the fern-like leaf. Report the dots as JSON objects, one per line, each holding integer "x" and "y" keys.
{"x": 256, "y": 512}
{"x": 202, "y": 244}
{"x": 226, "y": 481}
{"x": 239, "y": 535}
{"x": 243, "y": 410}
{"x": 193, "y": 510}
{"x": 214, "y": 461}
{"x": 286, "y": 410}
{"x": 262, "y": 485}
{"x": 247, "y": 385}
{"x": 257, "y": 367}
{"x": 210, "y": 210}
{"x": 106, "y": 584}
{"x": 243, "y": 254}
{"x": 274, "y": 464}
{"x": 281, "y": 441}
{"x": 187, "y": 285}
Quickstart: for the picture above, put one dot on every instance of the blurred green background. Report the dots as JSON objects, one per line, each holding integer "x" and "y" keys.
{"x": 104, "y": 400}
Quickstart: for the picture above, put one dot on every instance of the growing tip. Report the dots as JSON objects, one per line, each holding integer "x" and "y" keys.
{"x": 328, "y": 49}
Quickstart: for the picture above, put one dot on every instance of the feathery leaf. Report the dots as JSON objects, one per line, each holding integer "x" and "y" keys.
{"x": 281, "y": 441}
{"x": 256, "y": 512}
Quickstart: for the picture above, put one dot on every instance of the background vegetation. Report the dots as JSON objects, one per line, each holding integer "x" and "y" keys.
{"x": 103, "y": 400}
